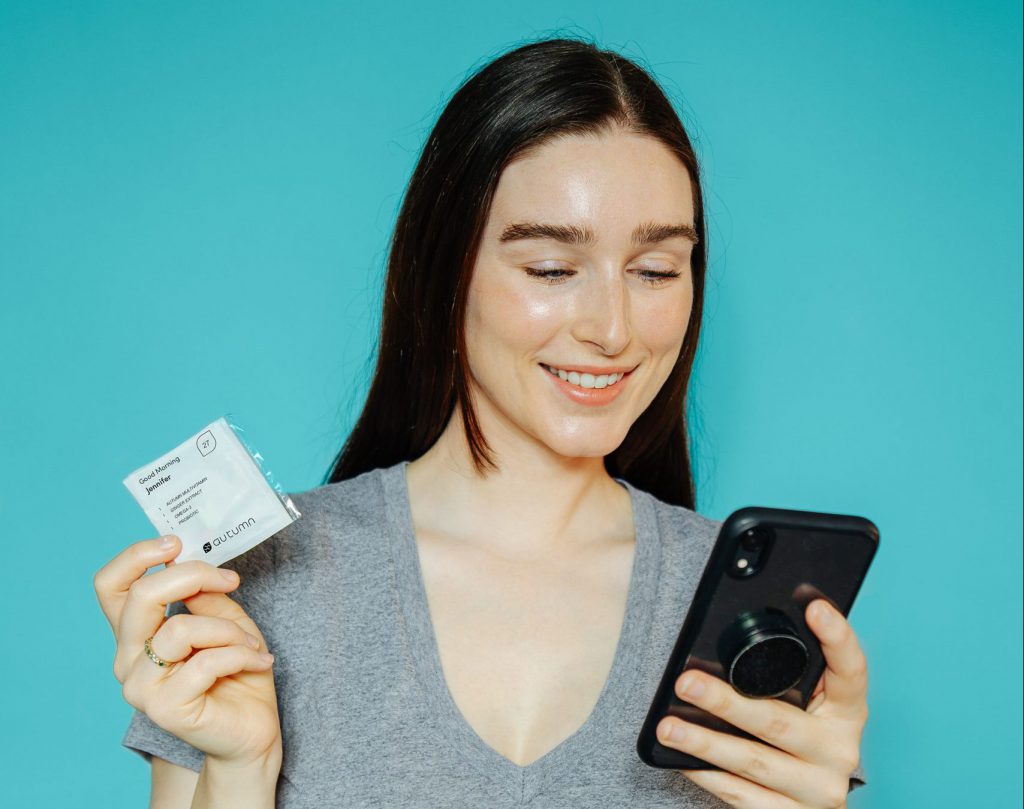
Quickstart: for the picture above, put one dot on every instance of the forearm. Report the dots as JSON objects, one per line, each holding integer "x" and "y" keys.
{"x": 230, "y": 786}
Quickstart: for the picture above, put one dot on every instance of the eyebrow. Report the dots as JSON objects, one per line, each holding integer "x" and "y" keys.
{"x": 646, "y": 233}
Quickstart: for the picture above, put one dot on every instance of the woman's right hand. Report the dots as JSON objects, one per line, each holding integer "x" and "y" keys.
{"x": 217, "y": 691}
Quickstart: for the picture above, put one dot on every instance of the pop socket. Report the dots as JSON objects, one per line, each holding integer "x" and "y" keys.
{"x": 762, "y": 654}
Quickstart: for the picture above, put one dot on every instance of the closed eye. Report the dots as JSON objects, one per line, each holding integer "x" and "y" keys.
{"x": 657, "y": 277}
{"x": 551, "y": 276}
{"x": 650, "y": 277}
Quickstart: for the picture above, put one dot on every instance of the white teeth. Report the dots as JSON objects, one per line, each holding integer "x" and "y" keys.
{"x": 585, "y": 380}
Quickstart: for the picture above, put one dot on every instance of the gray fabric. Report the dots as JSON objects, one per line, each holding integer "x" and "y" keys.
{"x": 366, "y": 716}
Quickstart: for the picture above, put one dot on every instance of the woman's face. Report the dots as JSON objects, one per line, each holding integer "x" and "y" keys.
{"x": 584, "y": 267}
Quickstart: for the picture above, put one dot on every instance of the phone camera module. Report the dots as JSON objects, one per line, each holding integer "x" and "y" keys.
{"x": 752, "y": 549}
{"x": 752, "y": 540}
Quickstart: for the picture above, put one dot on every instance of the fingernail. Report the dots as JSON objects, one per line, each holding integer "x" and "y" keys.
{"x": 167, "y": 543}
{"x": 692, "y": 687}
{"x": 266, "y": 658}
{"x": 230, "y": 575}
{"x": 671, "y": 731}
{"x": 824, "y": 613}
{"x": 252, "y": 640}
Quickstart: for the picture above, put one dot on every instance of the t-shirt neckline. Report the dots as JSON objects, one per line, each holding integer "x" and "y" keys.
{"x": 566, "y": 757}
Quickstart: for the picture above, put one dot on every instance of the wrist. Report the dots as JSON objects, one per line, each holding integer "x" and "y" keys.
{"x": 266, "y": 761}
{"x": 248, "y": 784}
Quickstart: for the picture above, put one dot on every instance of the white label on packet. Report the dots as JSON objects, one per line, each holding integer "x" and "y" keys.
{"x": 210, "y": 492}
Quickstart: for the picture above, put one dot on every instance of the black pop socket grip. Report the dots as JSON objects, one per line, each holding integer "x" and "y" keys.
{"x": 762, "y": 653}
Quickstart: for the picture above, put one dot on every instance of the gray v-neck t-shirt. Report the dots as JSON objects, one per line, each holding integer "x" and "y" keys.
{"x": 367, "y": 719}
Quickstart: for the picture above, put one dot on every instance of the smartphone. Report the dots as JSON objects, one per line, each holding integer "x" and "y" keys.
{"x": 746, "y": 624}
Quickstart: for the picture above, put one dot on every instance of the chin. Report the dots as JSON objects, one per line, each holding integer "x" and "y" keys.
{"x": 573, "y": 447}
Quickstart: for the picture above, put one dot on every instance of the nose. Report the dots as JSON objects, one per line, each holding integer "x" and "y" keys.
{"x": 603, "y": 313}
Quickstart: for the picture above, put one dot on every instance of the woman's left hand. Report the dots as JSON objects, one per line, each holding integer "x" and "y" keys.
{"x": 809, "y": 755}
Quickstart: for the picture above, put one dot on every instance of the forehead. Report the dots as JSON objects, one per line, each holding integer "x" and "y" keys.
{"x": 611, "y": 181}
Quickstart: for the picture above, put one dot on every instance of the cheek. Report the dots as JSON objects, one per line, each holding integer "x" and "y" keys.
{"x": 662, "y": 328}
{"x": 504, "y": 317}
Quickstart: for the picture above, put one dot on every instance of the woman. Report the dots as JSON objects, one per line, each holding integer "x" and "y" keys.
{"x": 475, "y": 609}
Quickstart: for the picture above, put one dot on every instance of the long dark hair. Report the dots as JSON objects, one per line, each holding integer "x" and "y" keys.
{"x": 512, "y": 104}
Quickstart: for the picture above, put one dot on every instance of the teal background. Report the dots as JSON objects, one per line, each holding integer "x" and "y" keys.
{"x": 195, "y": 202}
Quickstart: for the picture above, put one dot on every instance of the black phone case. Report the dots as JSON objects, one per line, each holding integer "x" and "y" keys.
{"x": 809, "y": 555}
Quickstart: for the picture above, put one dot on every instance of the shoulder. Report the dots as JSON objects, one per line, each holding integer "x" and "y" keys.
{"x": 354, "y": 500}
{"x": 330, "y": 549}
{"x": 683, "y": 540}
{"x": 334, "y": 518}
{"x": 682, "y": 527}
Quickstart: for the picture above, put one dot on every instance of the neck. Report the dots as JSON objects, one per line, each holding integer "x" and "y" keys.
{"x": 536, "y": 503}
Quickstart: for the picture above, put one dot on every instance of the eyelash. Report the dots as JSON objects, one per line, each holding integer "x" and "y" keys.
{"x": 654, "y": 277}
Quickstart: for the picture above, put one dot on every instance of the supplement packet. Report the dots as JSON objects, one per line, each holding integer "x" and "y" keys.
{"x": 213, "y": 493}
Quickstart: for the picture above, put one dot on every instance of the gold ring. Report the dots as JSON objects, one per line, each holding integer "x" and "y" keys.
{"x": 152, "y": 655}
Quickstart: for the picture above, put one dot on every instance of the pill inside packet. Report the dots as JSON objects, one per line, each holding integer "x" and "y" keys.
{"x": 214, "y": 492}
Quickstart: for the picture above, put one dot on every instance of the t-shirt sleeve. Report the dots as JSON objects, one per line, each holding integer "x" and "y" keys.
{"x": 256, "y": 568}
{"x": 857, "y": 778}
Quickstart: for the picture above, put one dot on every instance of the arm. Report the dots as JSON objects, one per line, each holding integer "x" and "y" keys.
{"x": 172, "y": 785}
{"x": 216, "y": 785}
{"x": 227, "y": 785}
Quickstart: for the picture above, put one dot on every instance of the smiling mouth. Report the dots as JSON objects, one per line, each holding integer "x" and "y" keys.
{"x": 587, "y": 381}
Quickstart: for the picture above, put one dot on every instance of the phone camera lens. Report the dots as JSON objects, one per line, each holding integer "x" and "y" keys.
{"x": 752, "y": 540}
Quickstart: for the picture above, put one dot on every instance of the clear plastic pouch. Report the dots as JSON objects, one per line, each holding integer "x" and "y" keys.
{"x": 214, "y": 492}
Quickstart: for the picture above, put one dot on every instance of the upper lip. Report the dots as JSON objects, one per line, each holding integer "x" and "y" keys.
{"x": 596, "y": 370}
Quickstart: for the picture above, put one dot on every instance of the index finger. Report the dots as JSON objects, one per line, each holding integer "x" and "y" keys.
{"x": 846, "y": 672}
{"x": 112, "y": 581}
